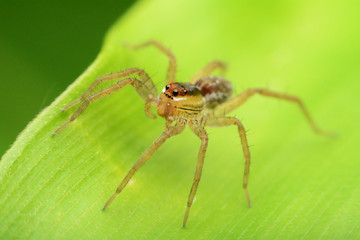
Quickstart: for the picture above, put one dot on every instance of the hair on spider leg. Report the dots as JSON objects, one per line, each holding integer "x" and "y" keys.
{"x": 252, "y": 145}
{"x": 159, "y": 84}
{"x": 152, "y": 77}
{"x": 148, "y": 77}
{"x": 247, "y": 131}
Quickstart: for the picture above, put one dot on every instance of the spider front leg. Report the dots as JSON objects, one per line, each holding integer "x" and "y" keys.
{"x": 139, "y": 86}
{"x": 143, "y": 76}
{"x": 169, "y": 132}
{"x": 227, "y": 121}
{"x": 240, "y": 99}
{"x": 171, "y": 72}
{"x": 201, "y": 133}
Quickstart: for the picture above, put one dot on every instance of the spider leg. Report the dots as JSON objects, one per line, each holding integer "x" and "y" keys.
{"x": 240, "y": 99}
{"x": 168, "y": 132}
{"x": 201, "y": 133}
{"x": 208, "y": 69}
{"x": 171, "y": 72}
{"x": 138, "y": 85}
{"x": 227, "y": 121}
{"x": 150, "y": 101}
{"x": 144, "y": 77}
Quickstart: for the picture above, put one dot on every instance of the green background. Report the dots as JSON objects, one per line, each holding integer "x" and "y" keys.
{"x": 44, "y": 46}
{"x": 303, "y": 186}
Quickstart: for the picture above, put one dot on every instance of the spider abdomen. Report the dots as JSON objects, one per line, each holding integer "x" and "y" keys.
{"x": 215, "y": 90}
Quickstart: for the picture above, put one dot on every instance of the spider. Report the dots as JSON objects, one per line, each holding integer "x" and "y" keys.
{"x": 202, "y": 102}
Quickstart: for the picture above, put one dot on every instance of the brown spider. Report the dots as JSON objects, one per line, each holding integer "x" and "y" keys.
{"x": 203, "y": 101}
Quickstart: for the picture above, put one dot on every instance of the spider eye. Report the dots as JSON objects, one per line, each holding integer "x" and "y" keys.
{"x": 175, "y": 93}
{"x": 185, "y": 92}
{"x": 167, "y": 87}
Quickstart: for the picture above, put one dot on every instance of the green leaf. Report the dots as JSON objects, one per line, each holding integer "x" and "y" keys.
{"x": 302, "y": 185}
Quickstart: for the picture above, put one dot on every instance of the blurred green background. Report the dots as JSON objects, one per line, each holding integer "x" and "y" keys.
{"x": 303, "y": 186}
{"x": 44, "y": 46}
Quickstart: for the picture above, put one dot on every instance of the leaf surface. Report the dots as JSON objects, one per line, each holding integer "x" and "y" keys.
{"x": 302, "y": 186}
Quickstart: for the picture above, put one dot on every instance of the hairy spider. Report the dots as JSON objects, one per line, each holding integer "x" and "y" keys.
{"x": 202, "y": 102}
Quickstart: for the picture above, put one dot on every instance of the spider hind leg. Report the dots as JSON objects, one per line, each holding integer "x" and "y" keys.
{"x": 240, "y": 99}
{"x": 228, "y": 121}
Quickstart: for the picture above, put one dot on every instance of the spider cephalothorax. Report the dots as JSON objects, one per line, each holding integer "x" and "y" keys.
{"x": 179, "y": 90}
{"x": 180, "y": 99}
{"x": 202, "y": 102}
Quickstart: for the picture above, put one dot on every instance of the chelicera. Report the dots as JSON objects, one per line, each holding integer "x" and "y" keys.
{"x": 203, "y": 101}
